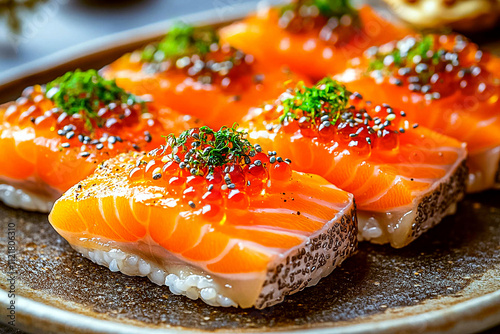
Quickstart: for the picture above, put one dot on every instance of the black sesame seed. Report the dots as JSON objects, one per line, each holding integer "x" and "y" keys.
{"x": 359, "y": 96}
{"x": 80, "y": 138}
{"x": 279, "y": 159}
{"x": 231, "y": 186}
{"x": 191, "y": 204}
{"x": 401, "y": 130}
{"x": 247, "y": 160}
{"x": 352, "y": 135}
{"x": 387, "y": 123}
{"x": 119, "y": 139}
{"x": 425, "y": 89}
{"x": 413, "y": 79}
{"x": 156, "y": 176}
{"x": 415, "y": 125}
{"x": 210, "y": 187}
{"x": 368, "y": 140}
{"x": 272, "y": 160}
{"x": 136, "y": 147}
{"x": 258, "y": 148}
{"x": 421, "y": 68}
{"x": 414, "y": 87}
{"x": 193, "y": 171}
{"x": 194, "y": 135}
{"x": 404, "y": 71}
{"x": 353, "y": 143}
{"x": 99, "y": 146}
{"x": 84, "y": 154}
{"x": 402, "y": 113}
{"x": 288, "y": 161}
{"x": 182, "y": 165}
{"x": 257, "y": 162}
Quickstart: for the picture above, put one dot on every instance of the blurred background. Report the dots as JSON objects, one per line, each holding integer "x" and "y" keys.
{"x": 32, "y": 29}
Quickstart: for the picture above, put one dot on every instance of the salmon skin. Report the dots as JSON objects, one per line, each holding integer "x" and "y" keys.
{"x": 445, "y": 83}
{"x": 405, "y": 178}
{"x": 312, "y": 37}
{"x": 212, "y": 217}
{"x": 54, "y": 136}
{"x": 190, "y": 71}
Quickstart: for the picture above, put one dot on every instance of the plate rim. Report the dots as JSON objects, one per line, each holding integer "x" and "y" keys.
{"x": 39, "y": 312}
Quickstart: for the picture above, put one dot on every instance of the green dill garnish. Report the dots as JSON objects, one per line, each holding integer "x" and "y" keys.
{"x": 301, "y": 10}
{"x": 181, "y": 40}
{"x": 334, "y": 8}
{"x": 328, "y": 97}
{"x": 206, "y": 148}
{"x": 406, "y": 54}
{"x": 84, "y": 92}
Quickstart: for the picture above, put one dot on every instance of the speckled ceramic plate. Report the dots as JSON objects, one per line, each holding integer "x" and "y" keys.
{"x": 448, "y": 281}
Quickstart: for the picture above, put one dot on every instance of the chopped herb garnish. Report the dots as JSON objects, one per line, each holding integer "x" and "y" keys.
{"x": 204, "y": 149}
{"x": 181, "y": 40}
{"x": 327, "y": 8}
{"x": 84, "y": 93}
{"x": 407, "y": 53}
{"x": 334, "y": 8}
{"x": 328, "y": 98}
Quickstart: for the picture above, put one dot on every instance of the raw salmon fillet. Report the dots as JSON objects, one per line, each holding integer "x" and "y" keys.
{"x": 209, "y": 216}
{"x": 314, "y": 38}
{"x": 445, "y": 83}
{"x": 190, "y": 71}
{"x": 52, "y": 138}
{"x": 404, "y": 178}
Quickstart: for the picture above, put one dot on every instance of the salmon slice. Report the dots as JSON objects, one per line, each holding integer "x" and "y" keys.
{"x": 445, "y": 83}
{"x": 314, "y": 38}
{"x": 55, "y": 135}
{"x": 190, "y": 71}
{"x": 405, "y": 178}
{"x": 210, "y": 216}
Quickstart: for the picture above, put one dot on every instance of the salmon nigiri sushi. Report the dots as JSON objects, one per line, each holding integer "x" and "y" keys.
{"x": 211, "y": 217}
{"x": 56, "y": 134}
{"x": 192, "y": 72}
{"x": 404, "y": 178}
{"x": 444, "y": 83}
{"x": 312, "y": 37}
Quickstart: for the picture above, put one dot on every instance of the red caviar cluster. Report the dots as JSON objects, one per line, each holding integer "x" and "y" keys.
{"x": 210, "y": 187}
{"x": 88, "y": 133}
{"x": 436, "y": 66}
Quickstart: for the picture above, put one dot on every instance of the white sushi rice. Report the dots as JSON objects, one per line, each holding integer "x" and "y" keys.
{"x": 23, "y": 199}
{"x": 180, "y": 283}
